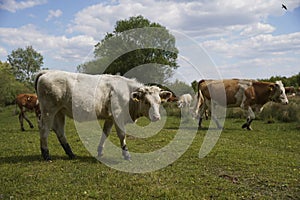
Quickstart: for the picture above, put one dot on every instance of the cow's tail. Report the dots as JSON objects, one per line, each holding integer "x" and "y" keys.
{"x": 200, "y": 101}
{"x": 37, "y": 78}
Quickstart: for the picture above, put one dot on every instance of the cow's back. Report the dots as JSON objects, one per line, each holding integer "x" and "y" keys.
{"x": 26, "y": 100}
{"x": 81, "y": 95}
{"x": 53, "y": 87}
{"x": 54, "y": 90}
{"x": 234, "y": 89}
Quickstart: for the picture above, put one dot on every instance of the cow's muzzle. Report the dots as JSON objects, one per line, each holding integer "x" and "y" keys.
{"x": 155, "y": 118}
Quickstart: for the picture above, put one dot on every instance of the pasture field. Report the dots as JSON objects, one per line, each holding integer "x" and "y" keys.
{"x": 259, "y": 164}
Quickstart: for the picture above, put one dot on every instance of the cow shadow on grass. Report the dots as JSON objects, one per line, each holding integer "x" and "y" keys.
{"x": 38, "y": 158}
{"x": 19, "y": 159}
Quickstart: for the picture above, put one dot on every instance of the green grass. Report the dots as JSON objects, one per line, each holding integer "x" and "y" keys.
{"x": 259, "y": 164}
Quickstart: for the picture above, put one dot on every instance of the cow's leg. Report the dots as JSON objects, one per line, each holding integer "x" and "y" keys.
{"x": 250, "y": 118}
{"x": 44, "y": 127}
{"x": 203, "y": 108}
{"x": 21, "y": 121}
{"x": 214, "y": 117}
{"x": 28, "y": 121}
{"x": 217, "y": 122}
{"x": 206, "y": 114}
{"x": 58, "y": 128}
{"x": 121, "y": 135}
{"x": 200, "y": 122}
{"x": 106, "y": 130}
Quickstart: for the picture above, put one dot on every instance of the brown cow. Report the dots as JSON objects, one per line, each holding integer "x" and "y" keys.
{"x": 27, "y": 102}
{"x": 247, "y": 94}
{"x": 290, "y": 90}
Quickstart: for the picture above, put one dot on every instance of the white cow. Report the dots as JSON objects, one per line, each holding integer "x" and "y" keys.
{"x": 185, "y": 100}
{"x": 115, "y": 99}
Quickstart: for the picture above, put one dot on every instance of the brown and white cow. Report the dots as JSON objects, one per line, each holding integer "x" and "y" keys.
{"x": 115, "y": 99}
{"x": 247, "y": 94}
{"x": 27, "y": 102}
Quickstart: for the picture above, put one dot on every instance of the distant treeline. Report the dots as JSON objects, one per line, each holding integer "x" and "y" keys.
{"x": 287, "y": 81}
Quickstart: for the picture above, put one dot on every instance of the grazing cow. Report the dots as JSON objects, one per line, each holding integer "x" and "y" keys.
{"x": 173, "y": 98}
{"x": 290, "y": 90}
{"x": 27, "y": 102}
{"x": 115, "y": 99}
{"x": 247, "y": 94}
{"x": 184, "y": 100}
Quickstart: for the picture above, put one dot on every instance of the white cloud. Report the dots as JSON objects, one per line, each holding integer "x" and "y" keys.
{"x": 13, "y": 5}
{"x": 261, "y": 55}
{"x": 60, "y": 48}
{"x": 3, "y": 52}
{"x": 197, "y": 17}
{"x": 54, "y": 14}
{"x": 259, "y": 45}
{"x": 262, "y": 67}
{"x": 257, "y": 28}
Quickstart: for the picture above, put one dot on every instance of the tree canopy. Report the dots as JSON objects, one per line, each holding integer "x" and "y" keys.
{"x": 9, "y": 86}
{"x": 25, "y": 63}
{"x": 287, "y": 81}
{"x": 180, "y": 88}
{"x": 136, "y": 48}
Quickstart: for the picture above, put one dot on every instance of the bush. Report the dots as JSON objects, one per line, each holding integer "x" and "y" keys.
{"x": 272, "y": 112}
{"x": 284, "y": 113}
{"x": 172, "y": 109}
{"x": 9, "y": 86}
{"x": 235, "y": 113}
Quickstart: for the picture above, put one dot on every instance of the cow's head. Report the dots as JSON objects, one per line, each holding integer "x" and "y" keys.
{"x": 278, "y": 93}
{"x": 180, "y": 103}
{"x": 149, "y": 99}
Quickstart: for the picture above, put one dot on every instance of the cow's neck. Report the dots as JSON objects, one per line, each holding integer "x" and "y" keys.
{"x": 262, "y": 92}
{"x": 134, "y": 110}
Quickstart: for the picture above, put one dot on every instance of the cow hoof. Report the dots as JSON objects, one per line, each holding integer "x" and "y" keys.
{"x": 48, "y": 159}
{"x": 72, "y": 156}
{"x": 128, "y": 158}
{"x": 22, "y": 129}
{"x": 100, "y": 152}
{"x": 100, "y": 155}
{"x": 126, "y": 155}
{"x": 31, "y": 126}
{"x": 45, "y": 154}
{"x": 245, "y": 125}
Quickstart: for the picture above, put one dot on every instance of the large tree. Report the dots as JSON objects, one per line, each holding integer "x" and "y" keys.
{"x": 25, "y": 63}
{"x": 136, "y": 48}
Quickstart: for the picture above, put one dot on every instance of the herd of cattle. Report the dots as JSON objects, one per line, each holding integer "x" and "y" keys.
{"x": 119, "y": 101}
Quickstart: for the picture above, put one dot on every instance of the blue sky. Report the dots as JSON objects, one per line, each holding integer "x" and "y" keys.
{"x": 255, "y": 39}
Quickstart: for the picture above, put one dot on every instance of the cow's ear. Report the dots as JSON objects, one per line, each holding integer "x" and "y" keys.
{"x": 271, "y": 87}
{"x": 136, "y": 96}
{"x": 165, "y": 95}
